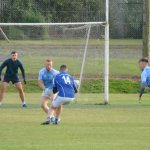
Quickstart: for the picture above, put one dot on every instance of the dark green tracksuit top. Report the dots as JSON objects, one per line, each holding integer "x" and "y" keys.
{"x": 12, "y": 68}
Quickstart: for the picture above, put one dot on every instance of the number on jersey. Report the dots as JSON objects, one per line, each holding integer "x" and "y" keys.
{"x": 66, "y": 79}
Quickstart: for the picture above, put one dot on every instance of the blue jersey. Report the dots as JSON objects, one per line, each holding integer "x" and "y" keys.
{"x": 145, "y": 76}
{"x": 47, "y": 77}
{"x": 65, "y": 85}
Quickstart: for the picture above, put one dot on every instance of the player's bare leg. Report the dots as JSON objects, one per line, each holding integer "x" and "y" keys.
{"x": 21, "y": 93}
{"x": 44, "y": 102}
{"x": 53, "y": 96}
{"x": 50, "y": 114}
{"x": 58, "y": 112}
{"x": 4, "y": 86}
{"x": 51, "y": 110}
{"x": 20, "y": 89}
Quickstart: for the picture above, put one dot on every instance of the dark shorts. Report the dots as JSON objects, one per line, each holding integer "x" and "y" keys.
{"x": 13, "y": 80}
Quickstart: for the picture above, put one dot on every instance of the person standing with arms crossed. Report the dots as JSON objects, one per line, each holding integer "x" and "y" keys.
{"x": 65, "y": 86}
{"x": 11, "y": 74}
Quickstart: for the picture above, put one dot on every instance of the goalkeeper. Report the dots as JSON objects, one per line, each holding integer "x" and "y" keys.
{"x": 145, "y": 76}
{"x": 11, "y": 74}
{"x": 45, "y": 81}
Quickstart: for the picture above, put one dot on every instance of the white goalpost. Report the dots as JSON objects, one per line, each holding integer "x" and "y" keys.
{"x": 88, "y": 26}
{"x": 107, "y": 54}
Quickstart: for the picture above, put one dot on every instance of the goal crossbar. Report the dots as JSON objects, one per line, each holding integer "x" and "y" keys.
{"x": 50, "y": 24}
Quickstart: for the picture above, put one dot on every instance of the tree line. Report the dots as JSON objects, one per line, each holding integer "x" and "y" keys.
{"x": 125, "y": 16}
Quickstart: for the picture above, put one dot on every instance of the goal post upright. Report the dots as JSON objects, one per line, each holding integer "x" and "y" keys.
{"x": 87, "y": 40}
{"x": 107, "y": 54}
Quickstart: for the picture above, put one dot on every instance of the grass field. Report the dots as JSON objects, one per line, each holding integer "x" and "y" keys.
{"x": 124, "y": 55}
{"x": 128, "y": 42}
{"x": 120, "y": 66}
{"x": 122, "y": 125}
{"x": 33, "y": 65}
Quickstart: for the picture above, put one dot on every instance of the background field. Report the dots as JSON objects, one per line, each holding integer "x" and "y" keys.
{"x": 124, "y": 55}
{"x": 127, "y": 42}
{"x": 88, "y": 124}
{"x": 124, "y": 124}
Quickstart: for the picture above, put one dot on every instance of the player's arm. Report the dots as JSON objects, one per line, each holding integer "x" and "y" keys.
{"x": 40, "y": 83}
{"x": 75, "y": 84}
{"x": 40, "y": 80}
{"x": 143, "y": 85}
{"x": 75, "y": 89}
{"x": 55, "y": 89}
{"x": 23, "y": 72}
{"x": 2, "y": 66}
{"x": 54, "y": 93}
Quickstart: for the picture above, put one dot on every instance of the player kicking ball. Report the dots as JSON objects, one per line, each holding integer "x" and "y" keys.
{"x": 65, "y": 86}
{"x": 11, "y": 74}
{"x": 145, "y": 76}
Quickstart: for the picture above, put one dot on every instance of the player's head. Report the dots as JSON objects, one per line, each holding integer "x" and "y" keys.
{"x": 63, "y": 68}
{"x": 143, "y": 63}
{"x": 48, "y": 65}
{"x": 14, "y": 55}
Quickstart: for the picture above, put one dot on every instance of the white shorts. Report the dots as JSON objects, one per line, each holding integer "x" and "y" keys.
{"x": 59, "y": 101}
{"x": 48, "y": 94}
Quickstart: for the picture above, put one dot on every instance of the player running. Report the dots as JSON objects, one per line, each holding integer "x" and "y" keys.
{"x": 45, "y": 81}
{"x": 11, "y": 74}
{"x": 145, "y": 76}
{"x": 64, "y": 83}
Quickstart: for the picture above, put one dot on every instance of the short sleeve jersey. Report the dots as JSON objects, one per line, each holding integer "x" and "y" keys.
{"x": 145, "y": 76}
{"x": 47, "y": 77}
{"x": 65, "y": 85}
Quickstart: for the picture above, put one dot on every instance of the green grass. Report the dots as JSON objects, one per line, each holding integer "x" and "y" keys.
{"x": 128, "y": 42}
{"x": 33, "y": 65}
{"x": 87, "y": 86}
{"x": 124, "y": 124}
{"x": 124, "y": 66}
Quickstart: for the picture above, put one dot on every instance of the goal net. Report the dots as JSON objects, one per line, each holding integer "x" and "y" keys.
{"x": 79, "y": 46}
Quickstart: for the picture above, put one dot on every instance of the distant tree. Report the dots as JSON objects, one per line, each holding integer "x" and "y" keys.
{"x": 146, "y": 29}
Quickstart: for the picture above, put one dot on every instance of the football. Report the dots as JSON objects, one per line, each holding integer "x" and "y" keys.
{"x": 77, "y": 82}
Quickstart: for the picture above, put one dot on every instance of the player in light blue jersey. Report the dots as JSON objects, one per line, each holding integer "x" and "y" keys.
{"x": 64, "y": 84}
{"x": 145, "y": 76}
{"x": 45, "y": 81}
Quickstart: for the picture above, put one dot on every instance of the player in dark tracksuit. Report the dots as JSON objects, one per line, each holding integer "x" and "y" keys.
{"x": 11, "y": 74}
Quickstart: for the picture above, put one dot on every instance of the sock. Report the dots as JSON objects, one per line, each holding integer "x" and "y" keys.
{"x": 23, "y": 103}
{"x": 48, "y": 119}
{"x": 56, "y": 120}
{"x": 0, "y": 103}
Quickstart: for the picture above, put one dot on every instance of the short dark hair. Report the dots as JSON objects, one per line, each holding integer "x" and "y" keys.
{"x": 63, "y": 68}
{"x": 144, "y": 60}
{"x": 13, "y": 52}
